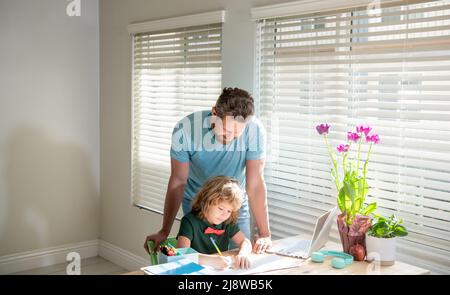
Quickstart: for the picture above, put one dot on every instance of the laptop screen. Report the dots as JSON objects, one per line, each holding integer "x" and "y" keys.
{"x": 322, "y": 230}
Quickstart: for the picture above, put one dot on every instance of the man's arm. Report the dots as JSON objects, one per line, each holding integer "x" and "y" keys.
{"x": 175, "y": 192}
{"x": 257, "y": 195}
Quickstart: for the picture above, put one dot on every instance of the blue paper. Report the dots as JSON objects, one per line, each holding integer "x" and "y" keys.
{"x": 179, "y": 267}
{"x": 184, "y": 269}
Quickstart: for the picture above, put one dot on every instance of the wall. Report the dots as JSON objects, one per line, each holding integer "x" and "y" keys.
{"x": 49, "y": 125}
{"x": 122, "y": 224}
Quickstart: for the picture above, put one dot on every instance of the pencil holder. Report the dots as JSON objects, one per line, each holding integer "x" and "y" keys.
{"x": 187, "y": 253}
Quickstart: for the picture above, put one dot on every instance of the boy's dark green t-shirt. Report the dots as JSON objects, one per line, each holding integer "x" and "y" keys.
{"x": 193, "y": 228}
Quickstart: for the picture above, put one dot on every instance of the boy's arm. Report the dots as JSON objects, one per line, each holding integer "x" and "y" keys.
{"x": 245, "y": 248}
{"x": 218, "y": 262}
{"x": 183, "y": 242}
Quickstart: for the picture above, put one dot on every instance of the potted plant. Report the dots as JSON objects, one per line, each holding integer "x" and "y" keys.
{"x": 350, "y": 180}
{"x": 382, "y": 238}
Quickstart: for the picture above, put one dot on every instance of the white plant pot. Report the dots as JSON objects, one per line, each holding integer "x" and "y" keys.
{"x": 381, "y": 250}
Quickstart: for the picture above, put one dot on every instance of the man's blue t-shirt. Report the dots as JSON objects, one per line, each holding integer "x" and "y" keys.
{"x": 194, "y": 141}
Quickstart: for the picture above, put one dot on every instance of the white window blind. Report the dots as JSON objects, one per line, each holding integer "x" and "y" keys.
{"x": 389, "y": 68}
{"x": 175, "y": 72}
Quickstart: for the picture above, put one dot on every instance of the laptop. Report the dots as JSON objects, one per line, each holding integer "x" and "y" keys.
{"x": 300, "y": 248}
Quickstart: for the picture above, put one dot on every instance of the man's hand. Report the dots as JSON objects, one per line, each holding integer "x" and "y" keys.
{"x": 157, "y": 238}
{"x": 262, "y": 244}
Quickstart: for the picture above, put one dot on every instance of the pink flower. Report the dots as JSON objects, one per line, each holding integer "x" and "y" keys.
{"x": 363, "y": 128}
{"x": 322, "y": 128}
{"x": 373, "y": 138}
{"x": 343, "y": 148}
{"x": 351, "y": 136}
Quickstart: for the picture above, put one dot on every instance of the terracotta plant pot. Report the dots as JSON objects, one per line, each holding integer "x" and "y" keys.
{"x": 353, "y": 234}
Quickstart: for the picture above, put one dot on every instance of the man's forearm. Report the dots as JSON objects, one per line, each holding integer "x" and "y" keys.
{"x": 258, "y": 204}
{"x": 172, "y": 203}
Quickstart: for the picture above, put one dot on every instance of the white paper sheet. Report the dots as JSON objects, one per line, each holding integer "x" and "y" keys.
{"x": 259, "y": 263}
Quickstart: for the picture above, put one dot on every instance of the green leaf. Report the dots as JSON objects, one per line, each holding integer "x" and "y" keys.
{"x": 381, "y": 228}
{"x": 341, "y": 200}
{"x": 375, "y": 226}
{"x": 381, "y": 232}
{"x": 353, "y": 176}
{"x": 382, "y": 219}
{"x": 361, "y": 189}
{"x": 378, "y": 216}
{"x": 369, "y": 208}
{"x": 400, "y": 231}
{"x": 358, "y": 204}
{"x": 349, "y": 191}
{"x": 386, "y": 227}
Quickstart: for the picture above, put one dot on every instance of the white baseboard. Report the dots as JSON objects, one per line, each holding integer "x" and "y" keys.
{"x": 46, "y": 257}
{"x": 55, "y": 255}
{"x": 121, "y": 257}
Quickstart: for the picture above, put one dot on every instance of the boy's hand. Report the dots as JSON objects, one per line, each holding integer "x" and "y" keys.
{"x": 222, "y": 262}
{"x": 241, "y": 261}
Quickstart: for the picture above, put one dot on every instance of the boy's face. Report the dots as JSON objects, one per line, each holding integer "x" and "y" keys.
{"x": 218, "y": 213}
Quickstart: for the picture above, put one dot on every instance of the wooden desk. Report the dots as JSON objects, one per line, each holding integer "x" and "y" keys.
{"x": 309, "y": 267}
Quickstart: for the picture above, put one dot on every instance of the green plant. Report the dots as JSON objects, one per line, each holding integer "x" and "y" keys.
{"x": 387, "y": 227}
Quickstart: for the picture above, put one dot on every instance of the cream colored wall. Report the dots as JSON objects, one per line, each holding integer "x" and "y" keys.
{"x": 49, "y": 125}
{"x": 122, "y": 224}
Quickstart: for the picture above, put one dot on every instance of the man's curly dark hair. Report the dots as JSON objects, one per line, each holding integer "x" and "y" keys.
{"x": 235, "y": 102}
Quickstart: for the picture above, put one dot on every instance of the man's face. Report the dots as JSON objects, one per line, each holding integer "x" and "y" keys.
{"x": 228, "y": 128}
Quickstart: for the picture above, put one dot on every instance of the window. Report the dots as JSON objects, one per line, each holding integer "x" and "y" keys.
{"x": 348, "y": 66}
{"x": 177, "y": 69}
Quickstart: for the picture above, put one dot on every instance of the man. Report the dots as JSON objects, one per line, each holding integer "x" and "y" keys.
{"x": 228, "y": 140}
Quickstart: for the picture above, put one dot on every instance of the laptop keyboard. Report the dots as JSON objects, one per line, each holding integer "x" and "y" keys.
{"x": 293, "y": 247}
{"x": 301, "y": 246}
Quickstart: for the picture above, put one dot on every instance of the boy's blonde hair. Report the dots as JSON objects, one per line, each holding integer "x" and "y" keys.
{"x": 215, "y": 190}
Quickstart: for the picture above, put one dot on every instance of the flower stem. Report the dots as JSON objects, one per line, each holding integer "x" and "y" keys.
{"x": 333, "y": 160}
{"x": 367, "y": 161}
{"x": 344, "y": 162}
{"x": 359, "y": 153}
